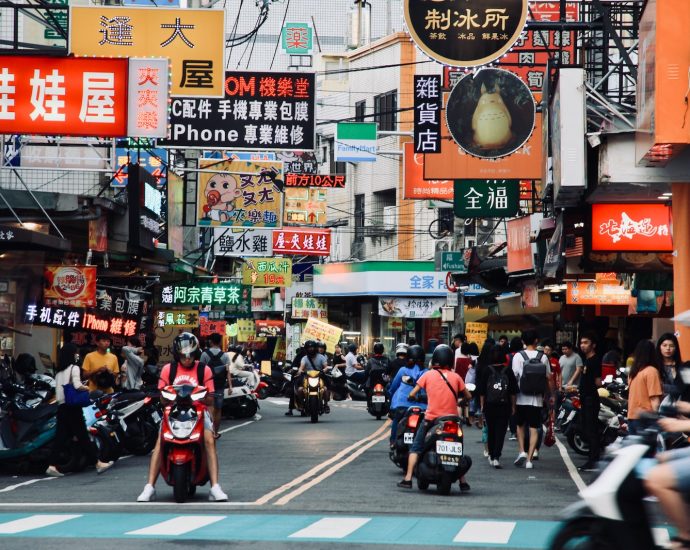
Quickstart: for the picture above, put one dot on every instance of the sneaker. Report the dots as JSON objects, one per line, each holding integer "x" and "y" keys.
{"x": 512, "y": 438}
{"x": 404, "y": 484}
{"x": 217, "y": 494}
{"x": 326, "y": 409}
{"x": 535, "y": 456}
{"x": 103, "y": 466}
{"x": 529, "y": 465}
{"x": 464, "y": 487}
{"x": 497, "y": 464}
{"x": 520, "y": 460}
{"x": 52, "y": 471}
{"x": 289, "y": 413}
{"x": 588, "y": 467}
{"x": 486, "y": 453}
{"x": 148, "y": 494}
{"x": 491, "y": 461}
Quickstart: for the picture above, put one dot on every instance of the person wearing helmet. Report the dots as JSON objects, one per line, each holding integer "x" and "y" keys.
{"x": 185, "y": 369}
{"x": 399, "y": 391}
{"x": 313, "y": 360}
{"x": 378, "y": 367}
{"x": 400, "y": 360}
{"x": 353, "y": 369}
{"x": 443, "y": 387}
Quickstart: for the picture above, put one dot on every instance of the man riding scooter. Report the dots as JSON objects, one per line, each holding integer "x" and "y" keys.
{"x": 185, "y": 370}
{"x": 313, "y": 360}
{"x": 399, "y": 391}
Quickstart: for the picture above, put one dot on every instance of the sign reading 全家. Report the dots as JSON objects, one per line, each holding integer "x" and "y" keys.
{"x": 486, "y": 198}
{"x": 427, "y": 113}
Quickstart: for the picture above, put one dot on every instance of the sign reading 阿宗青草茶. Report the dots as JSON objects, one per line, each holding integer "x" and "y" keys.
{"x": 260, "y": 110}
{"x": 267, "y": 272}
{"x": 427, "y": 113}
{"x": 355, "y": 142}
{"x": 486, "y": 198}
{"x": 242, "y": 242}
{"x": 231, "y": 296}
{"x": 193, "y": 40}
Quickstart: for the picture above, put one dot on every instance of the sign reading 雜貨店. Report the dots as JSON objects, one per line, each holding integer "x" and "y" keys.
{"x": 465, "y": 33}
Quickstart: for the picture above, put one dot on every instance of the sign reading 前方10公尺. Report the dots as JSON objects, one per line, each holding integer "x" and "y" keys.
{"x": 192, "y": 39}
{"x": 355, "y": 142}
{"x": 486, "y": 198}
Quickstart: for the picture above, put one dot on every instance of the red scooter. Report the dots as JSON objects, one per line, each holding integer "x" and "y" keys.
{"x": 183, "y": 453}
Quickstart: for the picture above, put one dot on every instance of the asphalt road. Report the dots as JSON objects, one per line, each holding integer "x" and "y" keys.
{"x": 284, "y": 475}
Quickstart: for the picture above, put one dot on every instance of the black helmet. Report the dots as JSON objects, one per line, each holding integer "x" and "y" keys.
{"x": 443, "y": 356}
{"x": 321, "y": 345}
{"x": 184, "y": 346}
{"x": 310, "y": 347}
{"x": 25, "y": 364}
{"x": 378, "y": 348}
{"x": 416, "y": 354}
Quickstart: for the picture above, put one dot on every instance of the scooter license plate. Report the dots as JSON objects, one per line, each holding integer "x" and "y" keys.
{"x": 451, "y": 448}
{"x": 378, "y": 398}
{"x": 408, "y": 438}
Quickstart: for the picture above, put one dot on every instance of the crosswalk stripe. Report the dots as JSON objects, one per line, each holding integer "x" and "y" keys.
{"x": 331, "y": 528}
{"x": 486, "y": 532}
{"x": 34, "y": 522}
{"x": 177, "y": 526}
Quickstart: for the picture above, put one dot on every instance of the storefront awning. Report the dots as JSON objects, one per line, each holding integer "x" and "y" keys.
{"x": 17, "y": 238}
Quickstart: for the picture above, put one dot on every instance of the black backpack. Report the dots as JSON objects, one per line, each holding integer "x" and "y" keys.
{"x": 200, "y": 370}
{"x": 497, "y": 386}
{"x": 533, "y": 378}
{"x": 219, "y": 369}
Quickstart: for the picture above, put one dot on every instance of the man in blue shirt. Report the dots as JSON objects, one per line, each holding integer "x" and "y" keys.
{"x": 399, "y": 391}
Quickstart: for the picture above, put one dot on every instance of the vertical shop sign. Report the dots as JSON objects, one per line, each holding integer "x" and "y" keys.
{"x": 427, "y": 113}
{"x": 98, "y": 234}
{"x": 416, "y": 187}
{"x": 148, "y": 92}
{"x": 520, "y": 257}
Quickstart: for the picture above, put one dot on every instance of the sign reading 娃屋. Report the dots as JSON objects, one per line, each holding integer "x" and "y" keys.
{"x": 632, "y": 227}
{"x": 267, "y": 272}
{"x": 310, "y": 242}
{"x": 193, "y": 40}
{"x": 260, "y": 110}
{"x": 486, "y": 198}
{"x": 63, "y": 96}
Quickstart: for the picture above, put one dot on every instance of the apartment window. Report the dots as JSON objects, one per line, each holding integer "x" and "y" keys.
{"x": 360, "y": 110}
{"x": 385, "y": 110}
{"x": 359, "y": 217}
{"x": 334, "y": 167}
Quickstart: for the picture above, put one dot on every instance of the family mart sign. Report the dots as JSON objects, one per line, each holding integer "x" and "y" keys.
{"x": 355, "y": 142}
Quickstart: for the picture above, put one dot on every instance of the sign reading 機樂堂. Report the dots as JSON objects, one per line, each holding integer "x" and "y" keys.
{"x": 486, "y": 198}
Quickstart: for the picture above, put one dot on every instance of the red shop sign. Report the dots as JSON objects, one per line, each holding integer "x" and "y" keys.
{"x": 632, "y": 227}
{"x": 63, "y": 96}
{"x": 310, "y": 242}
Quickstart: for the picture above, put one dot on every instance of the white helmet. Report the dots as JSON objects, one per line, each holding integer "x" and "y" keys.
{"x": 401, "y": 349}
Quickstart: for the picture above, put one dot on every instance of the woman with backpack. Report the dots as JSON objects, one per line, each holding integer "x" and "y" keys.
{"x": 497, "y": 388}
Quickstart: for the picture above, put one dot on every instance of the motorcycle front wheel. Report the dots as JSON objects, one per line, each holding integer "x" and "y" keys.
{"x": 314, "y": 408}
{"x": 581, "y": 535}
{"x": 578, "y": 443}
{"x": 180, "y": 477}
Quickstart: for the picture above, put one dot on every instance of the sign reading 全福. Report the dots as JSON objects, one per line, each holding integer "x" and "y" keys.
{"x": 486, "y": 198}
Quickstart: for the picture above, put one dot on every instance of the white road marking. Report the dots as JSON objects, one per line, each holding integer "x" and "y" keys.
{"x": 177, "y": 526}
{"x": 25, "y": 483}
{"x": 486, "y": 532}
{"x": 34, "y": 522}
{"x": 278, "y": 400}
{"x": 572, "y": 470}
{"x": 330, "y": 528}
{"x": 237, "y": 426}
{"x": 133, "y": 504}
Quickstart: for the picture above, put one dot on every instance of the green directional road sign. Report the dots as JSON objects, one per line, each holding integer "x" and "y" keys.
{"x": 486, "y": 198}
{"x": 453, "y": 261}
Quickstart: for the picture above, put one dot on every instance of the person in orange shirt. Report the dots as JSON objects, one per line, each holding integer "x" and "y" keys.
{"x": 98, "y": 363}
{"x": 645, "y": 383}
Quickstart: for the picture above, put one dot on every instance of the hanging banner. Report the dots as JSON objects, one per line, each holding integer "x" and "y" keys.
{"x": 305, "y": 206}
{"x": 470, "y": 35}
{"x": 63, "y": 96}
{"x": 632, "y": 227}
{"x": 486, "y": 198}
{"x": 304, "y": 308}
{"x": 237, "y": 193}
{"x": 193, "y": 40}
{"x": 240, "y": 243}
{"x": 315, "y": 180}
{"x": 148, "y": 92}
{"x": 310, "y": 242}
{"x": 355, "y": 141}
{"x": 477, "y": 333}
{"x": 416, "y": 187}
{"x": 260, "y": 110}
{"x": 491, "y": 114}
{"x": 318, "y": 330}
{"x": 228, "y": 295}
{"x": 530, "y": 295}
{"x": 413, "y": 308}
{"x": 552, "y": 260}
{"x": 266, "y": 329}
{"x": 267, "y": 272}
{"x": 520, "y": 257}
{"x": 427, "y": 113}
{"x": 207, "y": 327}
{"x": 596, "y": 294}
{"x": 69, "y": 285}
{"x": 98, "y": 234}
{"x": 178, "y": 318}
{"x": 246, "y": 329}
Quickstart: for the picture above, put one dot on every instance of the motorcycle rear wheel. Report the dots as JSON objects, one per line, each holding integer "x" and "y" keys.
{"x": 578, "y": 535}
{"x": 180, "y": 477}
{"x": 578, "y": 443}
{"x": 444, "y": 486}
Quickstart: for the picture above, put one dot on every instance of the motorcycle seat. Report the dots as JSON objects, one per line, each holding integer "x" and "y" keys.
{"x": 33, "y": 415}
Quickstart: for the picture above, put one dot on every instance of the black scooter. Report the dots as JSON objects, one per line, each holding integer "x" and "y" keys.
{"x": 404, "y": 436}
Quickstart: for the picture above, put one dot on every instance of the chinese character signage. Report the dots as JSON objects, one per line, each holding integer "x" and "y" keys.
{"x": 355, "y": 141}
{"x": 412, "y": 308}
{"x": 114, "y": 325}
{"x": 298, "y": 162}
{"x": 491, "y": 114}
{"x": 72, "y": 285}
{"x": 305, "y": 242}
{"x": 152, "y": 159}
{"x": 486, "y": 198}
{"x": 265, "y": 329}
{"x": 467, "y": 34}
{"x": 477, "y": 332}
{"x": 60, "y": 317}
{"x": 260, "y": 110}
{"x": 234, "y": 193}
{"x": 193, "y": 40}
{"x": 178, "y": 318}
{"x": 582, "y": 293}
{"x": 121, "y": 302}
{"x": 304, "y": 308}
{"x": 208, "y": 327}
{"x": 243, "y": 242}
{"x": 427, "y": 113}
{"x": 246, "y": 329}
{"x": 520, "y": 257}
{"x": 318, "y": 330}
{"x": 315, "y": 180}
{"x": 267, "y": 272}
{"x": 632, "y": 227}
{"x": 63, "y": 96}
{"x": 148, "y": 92}
{"x": 416, "y": 187}
{"x": 205, "y": 294}
{"x": 305, "y": 206}
{"x": 296, "y": 38}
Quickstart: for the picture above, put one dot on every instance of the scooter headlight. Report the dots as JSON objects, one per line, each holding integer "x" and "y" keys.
{"x": 313, "y": 382}
{"x": 182, "y": 429}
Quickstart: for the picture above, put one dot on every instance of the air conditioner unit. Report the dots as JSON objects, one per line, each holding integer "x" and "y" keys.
{"x": 389, "y": 221}
{"x": 443, "y": 245}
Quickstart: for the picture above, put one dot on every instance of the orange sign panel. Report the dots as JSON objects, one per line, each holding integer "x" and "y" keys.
{"x": 520, "y": 257}
{"x": 70, "y": 285}
{"x": 596, "y": 294}
{"x": 632, "y": 227}
{"x": 416, "y": 187}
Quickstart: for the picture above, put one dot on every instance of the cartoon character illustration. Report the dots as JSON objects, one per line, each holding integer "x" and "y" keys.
{"x": 221, "y": 191}
{"x": 491, "y": 121}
